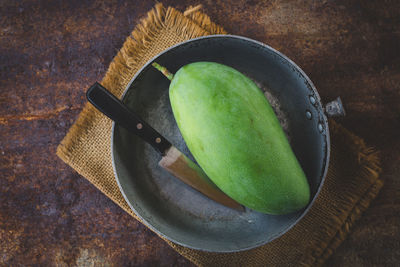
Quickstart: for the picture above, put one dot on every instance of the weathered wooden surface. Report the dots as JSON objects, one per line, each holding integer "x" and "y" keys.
{"x": 50, "y": 51}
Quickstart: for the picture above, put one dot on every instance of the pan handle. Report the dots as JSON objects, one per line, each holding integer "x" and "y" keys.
{"x": 335, "y": 108}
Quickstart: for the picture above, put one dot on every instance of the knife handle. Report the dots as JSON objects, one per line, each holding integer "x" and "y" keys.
{"x": 113, "y": 108}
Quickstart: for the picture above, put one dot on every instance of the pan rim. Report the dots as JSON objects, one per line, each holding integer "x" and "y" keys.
{"x": 323, "y": 119}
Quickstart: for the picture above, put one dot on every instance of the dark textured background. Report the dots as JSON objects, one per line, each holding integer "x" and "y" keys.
{"x": 51, "y": 51}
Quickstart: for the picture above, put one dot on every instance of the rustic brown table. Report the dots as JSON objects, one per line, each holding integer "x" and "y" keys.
{"x": 51, "y": 51}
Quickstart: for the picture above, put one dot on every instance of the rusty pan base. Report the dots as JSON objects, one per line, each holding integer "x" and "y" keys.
{"x": 181, "y": 214}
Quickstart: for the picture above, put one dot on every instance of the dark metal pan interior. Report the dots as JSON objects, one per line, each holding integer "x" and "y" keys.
{"x": 180, "y": 213}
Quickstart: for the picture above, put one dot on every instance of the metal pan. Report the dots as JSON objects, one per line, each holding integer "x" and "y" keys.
{"x": 181, "y": 214}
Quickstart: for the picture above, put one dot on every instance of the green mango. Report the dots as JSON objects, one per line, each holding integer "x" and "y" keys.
{"x": 234, "y": 135}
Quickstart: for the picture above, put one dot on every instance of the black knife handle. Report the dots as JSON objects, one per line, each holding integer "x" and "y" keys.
{"x": 113, "y": 108}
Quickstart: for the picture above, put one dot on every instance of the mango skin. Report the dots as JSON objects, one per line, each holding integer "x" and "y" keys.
{"x": 236, "y": 138}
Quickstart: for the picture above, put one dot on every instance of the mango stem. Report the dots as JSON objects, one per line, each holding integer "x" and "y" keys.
{"x": 163, "y": 70}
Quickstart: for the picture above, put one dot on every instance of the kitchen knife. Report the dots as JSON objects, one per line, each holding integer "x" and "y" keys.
{"x": 172, "y": 159}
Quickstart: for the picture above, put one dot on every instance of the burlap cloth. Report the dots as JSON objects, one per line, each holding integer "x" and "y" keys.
{"x": 351, "y": 184}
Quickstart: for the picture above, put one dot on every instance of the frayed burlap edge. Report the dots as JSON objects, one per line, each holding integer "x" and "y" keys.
{"x": 369, "y": 161}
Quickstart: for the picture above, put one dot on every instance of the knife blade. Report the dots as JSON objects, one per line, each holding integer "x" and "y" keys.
{"x": 173, "y": 160}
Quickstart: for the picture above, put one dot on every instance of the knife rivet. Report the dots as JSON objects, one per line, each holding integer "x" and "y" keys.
{"x": 139, "y": 126}
{"x": 158, "y": 140}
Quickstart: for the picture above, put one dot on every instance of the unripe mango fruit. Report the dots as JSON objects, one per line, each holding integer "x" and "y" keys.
{"x": 234, "y": 135}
